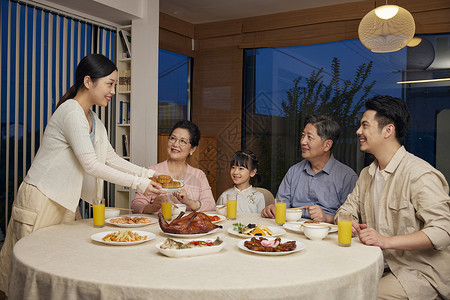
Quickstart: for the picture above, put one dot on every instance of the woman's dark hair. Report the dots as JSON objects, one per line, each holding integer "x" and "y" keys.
{"x": 246, "y": 159}
{"x": 93, "y": 65}
{"x": 194, "y": 132}
{"x": 327, "y": 128}
{"x": 391, "y": 110}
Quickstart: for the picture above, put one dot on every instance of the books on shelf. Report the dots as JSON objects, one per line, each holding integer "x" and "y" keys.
{"x": 125, "y": 145}
{"x": 124, "y": 80}
{"x": 124, "y": 112}
{"x": 125, "y": 37}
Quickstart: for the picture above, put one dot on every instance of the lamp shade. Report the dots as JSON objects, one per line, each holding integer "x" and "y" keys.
{"x": 387, "y": 28}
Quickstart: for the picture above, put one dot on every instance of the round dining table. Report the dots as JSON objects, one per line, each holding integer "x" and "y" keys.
{"x": 63, "y": 262}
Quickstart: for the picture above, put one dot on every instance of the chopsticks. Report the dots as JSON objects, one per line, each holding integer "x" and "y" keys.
{"x": 119, "y": 208}
{"x": 320, "y": 225}
{"x": 295, "y": 208}
{"x": 220, "y": 207}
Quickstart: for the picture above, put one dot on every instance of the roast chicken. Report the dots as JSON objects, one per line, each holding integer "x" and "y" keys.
{"x": 195, "y": 222}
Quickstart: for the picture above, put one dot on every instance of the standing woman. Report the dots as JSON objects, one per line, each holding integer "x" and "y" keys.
{"x": 74, "y": 152}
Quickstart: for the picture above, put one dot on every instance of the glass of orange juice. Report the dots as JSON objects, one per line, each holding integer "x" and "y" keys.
{"x": 231, "y": 206}
{"x": 166, "y": 207}
{"x": 280, "y": 211}
{"x": 345, "y": 229}
{"x": 98, "y": 211}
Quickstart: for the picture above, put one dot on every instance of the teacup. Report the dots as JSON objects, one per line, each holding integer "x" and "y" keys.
{"x": 177, "y": 210}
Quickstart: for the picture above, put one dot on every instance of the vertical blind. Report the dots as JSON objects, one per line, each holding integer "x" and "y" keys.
{"x": 39, "y": 53}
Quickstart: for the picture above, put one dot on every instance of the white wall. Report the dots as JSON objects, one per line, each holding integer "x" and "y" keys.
{"x": 144, "y": 85}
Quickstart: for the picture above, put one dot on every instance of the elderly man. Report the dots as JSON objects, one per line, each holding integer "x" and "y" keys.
{"x": 404, "y": 207}
{"x": 319, "y": 182}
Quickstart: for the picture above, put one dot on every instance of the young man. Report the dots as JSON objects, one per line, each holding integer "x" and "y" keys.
{"x": 319, "y": 181}
{"x": 404, "y": 207}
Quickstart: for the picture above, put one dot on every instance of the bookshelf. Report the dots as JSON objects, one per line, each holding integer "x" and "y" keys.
{"x": 123, "y": 107}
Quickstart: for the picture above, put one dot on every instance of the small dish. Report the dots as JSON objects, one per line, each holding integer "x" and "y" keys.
{"x": 221, "y": 218}
{"x": 293, "y": 215}
{"x": 314, "y": 232}
{"x": 221, "y": 209}
{"x": 111, "y": 212}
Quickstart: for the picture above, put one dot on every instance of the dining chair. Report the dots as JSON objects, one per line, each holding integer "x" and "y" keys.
{"x": 270, "y": 199}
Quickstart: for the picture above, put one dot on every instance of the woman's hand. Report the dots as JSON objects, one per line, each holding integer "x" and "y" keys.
{"x": 153, "y": 189}
{"x": 182, "y": 196}
{"x": 154, "y": 206}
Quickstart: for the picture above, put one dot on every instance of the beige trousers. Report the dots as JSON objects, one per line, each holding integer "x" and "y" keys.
{"x": 390, "y": 288}
{"x": 31, "y": 211}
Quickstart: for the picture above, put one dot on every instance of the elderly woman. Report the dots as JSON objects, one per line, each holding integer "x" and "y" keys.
{"x": 196, "y": 193}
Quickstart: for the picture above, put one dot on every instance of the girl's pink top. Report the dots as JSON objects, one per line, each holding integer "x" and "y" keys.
{"x": 195, "y": 183}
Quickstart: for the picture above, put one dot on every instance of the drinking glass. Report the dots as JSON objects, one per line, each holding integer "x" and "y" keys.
{"x": 231, "y": 206}
{"x": 98, "y": 211}
{"x": 280, "y": 211}
{"x": 344, "y": 229}
{"x": 166, "y": 207}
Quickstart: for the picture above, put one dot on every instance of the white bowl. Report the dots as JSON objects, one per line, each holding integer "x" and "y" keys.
{"x": 111, "y": 213}
{"x": 177, "y": 211}
{"x": 221, "y": 210}
{"x": 293, "y": 215}
{"x": 314, "y": 232}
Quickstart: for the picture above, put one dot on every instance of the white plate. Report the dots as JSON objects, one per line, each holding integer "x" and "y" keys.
{"x": 172, "y": 190}
{"x": 153, "y": 221}
{"x": 191, "y": 235}
{"x": 277, "y": 231}
{"x": 98, "y": 237}
{"x": 299, "y": 247}
{"x": 222, "y": 218}
{"x": 297, "y": 226}
{"x": 192, "y": 251}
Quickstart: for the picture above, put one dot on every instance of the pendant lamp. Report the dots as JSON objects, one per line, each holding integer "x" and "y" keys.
{"x": 387, "y": 28}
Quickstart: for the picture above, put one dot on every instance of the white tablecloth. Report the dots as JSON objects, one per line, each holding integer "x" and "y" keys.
{"x": 62, "y": 262}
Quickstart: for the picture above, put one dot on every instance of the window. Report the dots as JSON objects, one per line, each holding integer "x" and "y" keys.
{"x": 283, "y": 85}
{"x": 39, "y": 54}
{"x": 174, "y": 88}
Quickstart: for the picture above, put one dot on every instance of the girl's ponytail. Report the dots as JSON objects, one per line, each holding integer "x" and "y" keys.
{"x": 70, "y": 94}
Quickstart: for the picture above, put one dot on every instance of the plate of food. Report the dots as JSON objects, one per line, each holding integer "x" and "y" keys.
{"x": 297, "y": 226}
{"x": 194, "y": 235}
{"x": 187, "y": 248}
{"x": 216, "y": 218}
{"x": 123, "y": 237}
{"x": 168, "y": 184}
{"x": 270, "y": 246}
{"x": 249, "y": 230}
{"x": 131, "y": 221}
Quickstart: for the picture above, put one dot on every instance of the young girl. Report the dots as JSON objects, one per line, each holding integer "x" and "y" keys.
{"x": 243, "y": 167}
{"x": 74, "y": 152}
